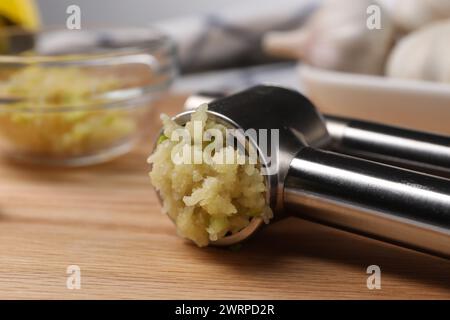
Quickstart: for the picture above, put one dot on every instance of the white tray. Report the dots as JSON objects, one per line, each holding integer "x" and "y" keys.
{"x": 413, "y": 104}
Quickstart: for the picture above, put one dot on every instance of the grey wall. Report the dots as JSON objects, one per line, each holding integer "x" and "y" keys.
{"x": 123, "y": 12}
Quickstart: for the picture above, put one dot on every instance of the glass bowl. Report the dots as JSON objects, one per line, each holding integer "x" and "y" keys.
{"x": 79, "y": 97}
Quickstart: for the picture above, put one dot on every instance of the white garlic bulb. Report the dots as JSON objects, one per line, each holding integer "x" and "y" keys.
{"x": 337, "y": 37}
{"x": 412, "y": 14}
{"x": 423, "y": 54}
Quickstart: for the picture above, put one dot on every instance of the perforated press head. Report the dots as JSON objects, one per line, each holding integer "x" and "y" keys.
{"x": 286, "y": 112}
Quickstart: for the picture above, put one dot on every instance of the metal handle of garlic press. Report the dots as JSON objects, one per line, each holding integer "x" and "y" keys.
{"x": 421, "y": 151}
{"x": 364, "y": 197}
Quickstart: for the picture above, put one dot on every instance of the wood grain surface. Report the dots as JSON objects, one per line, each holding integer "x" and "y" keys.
{"x": 107, "y": 220}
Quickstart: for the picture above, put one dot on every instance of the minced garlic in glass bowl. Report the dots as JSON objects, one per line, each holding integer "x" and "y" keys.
{"x": 51, "y": 132}
{"x": 208, "y": 200}
{"x": 75, "y": 99}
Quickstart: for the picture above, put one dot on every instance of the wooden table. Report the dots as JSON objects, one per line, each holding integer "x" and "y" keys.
{"x": 106, "y": 220}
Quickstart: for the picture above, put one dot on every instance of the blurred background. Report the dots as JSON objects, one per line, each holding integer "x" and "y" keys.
{"x": 202, "y": 29}
{"x": 140, "y": 12}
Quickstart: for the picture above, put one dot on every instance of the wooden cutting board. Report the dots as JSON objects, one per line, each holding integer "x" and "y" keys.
{"x": 106, "y": 220}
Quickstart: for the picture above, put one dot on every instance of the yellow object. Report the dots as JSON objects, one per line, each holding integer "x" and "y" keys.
{"x": 19, "y": 13}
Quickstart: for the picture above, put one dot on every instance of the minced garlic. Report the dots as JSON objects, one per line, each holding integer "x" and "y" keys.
{"x": 207, "y": 201}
